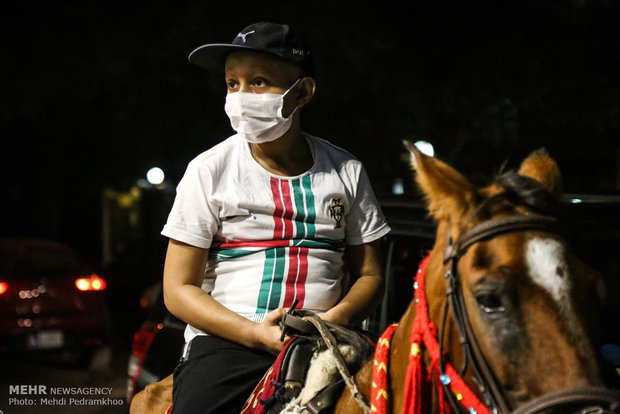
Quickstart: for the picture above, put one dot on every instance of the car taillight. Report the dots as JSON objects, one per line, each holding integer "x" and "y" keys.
{"x": 3, "y": 287}
{"x": 143, "y": 338}
{"x": 141, "y": 342}
{"x": 94, "y": 282}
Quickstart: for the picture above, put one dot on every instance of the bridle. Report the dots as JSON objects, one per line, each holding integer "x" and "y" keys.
{"x": 487, "y": 383}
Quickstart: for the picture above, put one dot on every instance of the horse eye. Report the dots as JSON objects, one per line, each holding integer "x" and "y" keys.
{"x": 490, "y": 303}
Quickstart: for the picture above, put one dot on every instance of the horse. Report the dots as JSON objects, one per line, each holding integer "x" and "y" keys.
{"x": 520, "y": 330}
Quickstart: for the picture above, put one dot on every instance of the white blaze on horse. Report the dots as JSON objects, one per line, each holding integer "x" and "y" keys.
{"x": 506, "y": 302}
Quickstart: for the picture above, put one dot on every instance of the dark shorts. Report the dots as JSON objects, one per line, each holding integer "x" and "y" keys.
{"x": 217, "y": 376}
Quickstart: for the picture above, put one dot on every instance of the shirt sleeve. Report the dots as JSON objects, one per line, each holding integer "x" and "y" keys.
{"x": 365, "y": 221}
{"x": 194, "y": 218}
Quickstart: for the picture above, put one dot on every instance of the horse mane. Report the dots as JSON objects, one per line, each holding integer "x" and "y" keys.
{"x": 528, "y": 192}
{"x": 522, "y": 191}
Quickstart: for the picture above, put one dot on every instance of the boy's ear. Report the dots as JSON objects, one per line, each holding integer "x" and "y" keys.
{"x": 307, "y": 86}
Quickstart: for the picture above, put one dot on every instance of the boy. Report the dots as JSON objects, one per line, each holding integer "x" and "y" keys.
{"x": 274, "y": 215}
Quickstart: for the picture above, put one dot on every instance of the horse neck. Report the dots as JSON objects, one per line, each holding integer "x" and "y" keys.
{"x": 435, "y": 293}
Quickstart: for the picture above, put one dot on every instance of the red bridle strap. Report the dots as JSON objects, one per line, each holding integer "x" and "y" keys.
{"x": 423, "y": 337}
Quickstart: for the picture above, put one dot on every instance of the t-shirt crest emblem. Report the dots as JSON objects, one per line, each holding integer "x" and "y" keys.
{"x": 336, "y": 211}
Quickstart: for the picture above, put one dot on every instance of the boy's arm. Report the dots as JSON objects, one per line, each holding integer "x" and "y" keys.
{"x": 365, "y": 266}
{"x": 183, "y": 275}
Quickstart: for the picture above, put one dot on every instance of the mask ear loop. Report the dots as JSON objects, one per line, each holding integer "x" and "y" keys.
{"x": 294, "y": 110}
{"x": 293, "y": 85}
{"x": 284, "y": 94}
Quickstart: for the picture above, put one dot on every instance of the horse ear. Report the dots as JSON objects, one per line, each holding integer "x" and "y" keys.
{"x": 542, "y": 168}
{"x": 448, "y": 193}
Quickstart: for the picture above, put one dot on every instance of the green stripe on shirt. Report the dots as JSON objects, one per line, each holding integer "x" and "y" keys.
{"x": 306, "y": 183}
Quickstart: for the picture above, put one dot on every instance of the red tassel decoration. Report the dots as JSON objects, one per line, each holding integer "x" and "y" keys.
{"x": 414, "y": 401}
{"x": 379, "y": 401}
{"x": 423, "y": 337}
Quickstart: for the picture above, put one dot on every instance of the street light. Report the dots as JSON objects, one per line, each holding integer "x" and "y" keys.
{"x": 155, "y": 176}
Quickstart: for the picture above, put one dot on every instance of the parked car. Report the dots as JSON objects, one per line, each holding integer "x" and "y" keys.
{"x": 592, "y": 227}
{"x": 50, "y": 301}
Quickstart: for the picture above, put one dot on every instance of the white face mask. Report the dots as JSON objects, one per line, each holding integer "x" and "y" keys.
{"x": 258, "y": 116}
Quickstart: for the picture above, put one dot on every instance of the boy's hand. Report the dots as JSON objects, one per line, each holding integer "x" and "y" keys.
{"x": 268, "y": 332}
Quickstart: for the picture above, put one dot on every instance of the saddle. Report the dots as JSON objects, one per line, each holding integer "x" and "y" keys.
{"x": 312, "y": 370}
{"x": 305, "y": 378}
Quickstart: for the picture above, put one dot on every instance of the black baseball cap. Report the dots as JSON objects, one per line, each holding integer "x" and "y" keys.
{"x": 273, "y": 39}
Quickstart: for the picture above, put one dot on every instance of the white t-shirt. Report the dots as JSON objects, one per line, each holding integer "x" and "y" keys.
{"x": 274, "y": 239}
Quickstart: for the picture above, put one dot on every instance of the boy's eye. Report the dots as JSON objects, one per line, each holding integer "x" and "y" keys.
{"x": 260, "y": 82}
{"x": 231, "y": 84}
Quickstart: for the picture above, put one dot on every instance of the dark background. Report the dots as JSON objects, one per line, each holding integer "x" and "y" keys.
{"x": 95, "y": 93}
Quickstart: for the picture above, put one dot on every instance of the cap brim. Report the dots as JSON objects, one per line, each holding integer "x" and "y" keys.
{"x": 213, "y": 55}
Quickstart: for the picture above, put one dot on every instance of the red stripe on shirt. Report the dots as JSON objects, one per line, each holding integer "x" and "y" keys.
{"x": 300, "y": 285}
{"x": 288, "y": 213}
{"x": 279, "y": 209}
{"x": 291, "y": 278}
{"x": 233, "y": 244}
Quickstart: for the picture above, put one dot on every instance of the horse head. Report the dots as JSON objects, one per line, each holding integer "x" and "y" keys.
{"x": 529, "y": 302}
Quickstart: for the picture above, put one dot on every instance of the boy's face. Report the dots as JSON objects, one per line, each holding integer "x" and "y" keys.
{"x": 259, "y": 73}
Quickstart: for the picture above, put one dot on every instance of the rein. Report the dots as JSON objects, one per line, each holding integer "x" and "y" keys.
{"x": 332, "y": 345}
{"x": 310, "y": 323}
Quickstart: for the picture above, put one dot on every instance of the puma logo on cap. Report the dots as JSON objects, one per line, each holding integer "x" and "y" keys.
{"x": 243, "y": 35}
